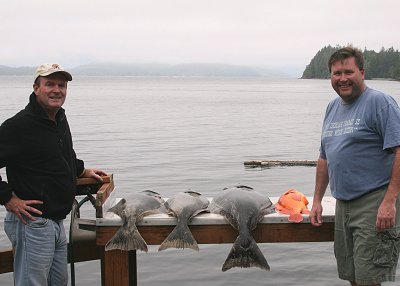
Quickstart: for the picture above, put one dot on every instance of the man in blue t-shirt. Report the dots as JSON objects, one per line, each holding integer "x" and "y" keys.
{"x": 360, "y": 160}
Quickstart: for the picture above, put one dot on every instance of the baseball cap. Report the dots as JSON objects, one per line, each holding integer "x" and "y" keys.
{"x": 48, "y": 69}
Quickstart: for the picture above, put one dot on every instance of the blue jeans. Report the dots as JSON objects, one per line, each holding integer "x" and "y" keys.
{"x": 40, "y": 251}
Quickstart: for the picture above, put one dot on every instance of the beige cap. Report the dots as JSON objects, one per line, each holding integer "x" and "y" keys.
{"x": 48, "y": 69}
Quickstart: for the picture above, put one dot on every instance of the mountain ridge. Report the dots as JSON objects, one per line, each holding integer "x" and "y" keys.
{"x": 155, "y": 69}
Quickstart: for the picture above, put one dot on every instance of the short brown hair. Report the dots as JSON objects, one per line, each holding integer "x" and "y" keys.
{"x": 37, "y": 81}
{"x": 345, "y": 53}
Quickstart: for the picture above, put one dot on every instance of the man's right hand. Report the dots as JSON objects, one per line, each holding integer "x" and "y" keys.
{"x": 22, "y": 208}
{"x": 316, "y": 214}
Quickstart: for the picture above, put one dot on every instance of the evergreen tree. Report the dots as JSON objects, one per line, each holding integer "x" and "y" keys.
{"x": 385, "y": 64}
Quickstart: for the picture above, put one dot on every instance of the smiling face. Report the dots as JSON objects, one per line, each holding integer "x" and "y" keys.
{"x": 347, "y": 79}
{"x": 51, "y": 92}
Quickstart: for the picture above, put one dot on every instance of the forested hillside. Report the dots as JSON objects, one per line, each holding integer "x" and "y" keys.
{"x": 385, "y": 64}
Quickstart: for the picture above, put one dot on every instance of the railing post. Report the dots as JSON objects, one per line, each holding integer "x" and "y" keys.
{"x": 132, "y": 268}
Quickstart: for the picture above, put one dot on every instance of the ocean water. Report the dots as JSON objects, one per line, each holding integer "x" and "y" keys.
{"x": 170, "y": 134}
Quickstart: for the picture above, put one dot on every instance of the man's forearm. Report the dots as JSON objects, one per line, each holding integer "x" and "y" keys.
{"x": 321, "y": 179}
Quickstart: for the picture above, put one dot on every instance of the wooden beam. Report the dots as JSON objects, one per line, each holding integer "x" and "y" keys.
{"x": 6, "y": 260}
{"x": 86, "y": 251}
{"x": 102, "y": 195}
{"x": 92, "y": 181}
{"x": 91, "y": 185}
{"x": 83, "y": 251}
{"x": 280, "y": 163}
{"x": 216, "y": 234}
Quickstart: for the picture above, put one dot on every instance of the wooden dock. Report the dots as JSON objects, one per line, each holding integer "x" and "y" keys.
{"x": 119, "y": 268}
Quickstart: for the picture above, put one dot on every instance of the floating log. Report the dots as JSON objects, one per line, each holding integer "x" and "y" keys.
{"x": 278, "y": 163}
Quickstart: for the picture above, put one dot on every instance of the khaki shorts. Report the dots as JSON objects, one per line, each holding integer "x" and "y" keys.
{"x": 363, "y": 255}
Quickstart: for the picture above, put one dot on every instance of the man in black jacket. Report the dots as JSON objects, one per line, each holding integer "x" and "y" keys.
{"x": 42, "y": 168}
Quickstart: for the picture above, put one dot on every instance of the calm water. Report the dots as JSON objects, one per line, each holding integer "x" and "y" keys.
{"x": 171, "y": 134}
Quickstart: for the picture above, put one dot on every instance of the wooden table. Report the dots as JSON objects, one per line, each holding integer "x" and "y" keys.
{"x": 119, "y": 267}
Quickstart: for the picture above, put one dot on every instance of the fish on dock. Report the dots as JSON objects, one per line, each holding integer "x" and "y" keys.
{"x": 293, "y": 203}
{"x": 244, "y": 208}
{"x": 140, "y": 205}
{"x": 184, "y": 206}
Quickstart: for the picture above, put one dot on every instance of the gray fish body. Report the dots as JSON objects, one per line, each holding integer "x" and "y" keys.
{"x": 142, "y": 204}
{"x": 243, "y": 208}
{"x": 184, "y": 206}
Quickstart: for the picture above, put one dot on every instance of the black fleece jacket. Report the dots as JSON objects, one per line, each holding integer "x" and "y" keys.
{"x": 40, "y": 161}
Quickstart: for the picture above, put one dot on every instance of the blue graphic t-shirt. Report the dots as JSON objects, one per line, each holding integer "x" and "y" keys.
{"x": 356, "y": 141}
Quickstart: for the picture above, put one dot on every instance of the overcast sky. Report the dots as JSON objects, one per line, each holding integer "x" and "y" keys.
{"x": 281, "y": 33}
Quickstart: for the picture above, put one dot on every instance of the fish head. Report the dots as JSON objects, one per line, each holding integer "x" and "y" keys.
{"x": 153, "y": 194}
{"x": 243, "y": 187}
{"x": 294, "y": 194}
{"x": 192, "y": 193}
{"x": 292, "y": 201}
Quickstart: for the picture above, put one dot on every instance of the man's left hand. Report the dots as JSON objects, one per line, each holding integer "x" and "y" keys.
{"x": 94, "y": 173}
{"x": 386, "y": 216}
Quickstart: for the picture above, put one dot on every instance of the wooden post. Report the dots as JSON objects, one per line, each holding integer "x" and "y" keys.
{"x": 132, "y": 268}
{"x": 116, "y": 274}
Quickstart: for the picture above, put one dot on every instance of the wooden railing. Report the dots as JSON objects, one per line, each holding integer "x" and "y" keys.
{"x": 83, "y": 249}
{"x": 119, "y": 267}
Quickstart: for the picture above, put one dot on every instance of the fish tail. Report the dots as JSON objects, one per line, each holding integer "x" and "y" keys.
{"x": 245, "y": 253}
{"x": 126, "y": 239}
{"x": 295, "y": 217}
{"x": 180, "y": 237}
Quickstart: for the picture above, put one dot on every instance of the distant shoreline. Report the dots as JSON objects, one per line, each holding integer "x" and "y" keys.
{"x": 195, "y": 76}
{"x": 194, "y": 69}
